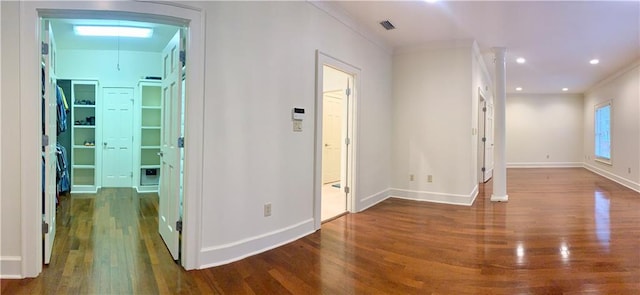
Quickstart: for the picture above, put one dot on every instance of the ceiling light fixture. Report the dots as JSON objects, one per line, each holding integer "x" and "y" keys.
{"x": 565, "y": 89}
{"x": 594, "y": 61}
{"x": 521, "y": 60}
{"x": 113, "y": 31}
{"x": 518, "y": 88}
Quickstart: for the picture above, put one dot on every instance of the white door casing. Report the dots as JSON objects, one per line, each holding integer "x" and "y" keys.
{"x": 49, "y": 153}
{"x": 169, "y": 190}
{"x": 117, "y": 134}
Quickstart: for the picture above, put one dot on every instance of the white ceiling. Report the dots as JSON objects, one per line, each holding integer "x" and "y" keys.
{"x": 66, "y": 39}
{"x": 557, "y": 38}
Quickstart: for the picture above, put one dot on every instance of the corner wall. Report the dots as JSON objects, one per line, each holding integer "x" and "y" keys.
{"x": 544, "y": 130}
{"x": 432, "y": 126}
{"x": 623, "y": 88}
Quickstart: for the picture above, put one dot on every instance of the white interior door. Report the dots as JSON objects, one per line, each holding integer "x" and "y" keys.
{"x": 169, "y": 207}
{"x": 331, "y": 135}
{"x": 488, "y": 153}
{"x": 49, "y": 150}
{"x": 117, "y": 133}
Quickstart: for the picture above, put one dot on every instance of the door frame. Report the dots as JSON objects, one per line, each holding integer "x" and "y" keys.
{"x": 323, "y": 59}
{"x": 482, "y": 129}
{"x": 169, "y": 13}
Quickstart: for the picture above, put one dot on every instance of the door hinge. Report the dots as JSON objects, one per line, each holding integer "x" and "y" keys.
{"x": 179, "y": 225}
{"x": 484, "y": 109}
{"x": 45, "y": 48}
{"x": 45, "y": 227}
{"x": 484, "y": 139}
{"x": 181, "y": 141}
{"x": 483, "y": 169}
{"x": 183, "y": 57}
{"x": 132, "y": 174}
{"x": 347, "y": 190}
{"x": 348, "y": 91}
{"x": 45, "y": 140}
{"x": 347, "y": 141}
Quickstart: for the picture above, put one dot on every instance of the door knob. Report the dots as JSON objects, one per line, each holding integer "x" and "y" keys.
{"x": 160, "y": 154}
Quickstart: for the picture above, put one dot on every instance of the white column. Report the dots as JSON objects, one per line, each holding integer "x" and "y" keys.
{"x": 499, "y": 106}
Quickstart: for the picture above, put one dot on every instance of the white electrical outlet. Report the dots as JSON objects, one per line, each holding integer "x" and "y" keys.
{"x": 429, "y": 178}
{"x": 297, "y": 126}
{"x": 267, "y": 209}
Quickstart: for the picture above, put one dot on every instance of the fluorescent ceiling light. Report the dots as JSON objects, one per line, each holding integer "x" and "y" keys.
{"x": 521, "y": 60}
{"x": 565, "y": 89}
{"x": 518, "y": 88}
{"x": 113, "y": 31}
{"x": 594, "y": 61}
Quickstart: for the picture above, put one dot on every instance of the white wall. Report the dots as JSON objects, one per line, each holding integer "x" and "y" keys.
{"x": 260, "y": 64}
{"x": 541, "y": 125}
{"x": 102, "y": 65}
{"x": 623, "y": 88}
{"x": 432, "y": 125}
{"x": 10, "y": 243}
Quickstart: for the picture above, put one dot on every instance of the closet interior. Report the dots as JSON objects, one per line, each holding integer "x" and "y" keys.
{"x": 110, "y": 106}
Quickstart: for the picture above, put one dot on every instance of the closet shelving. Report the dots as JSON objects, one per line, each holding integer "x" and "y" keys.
{"x": 150, "y": 127}
{"x": 83, "y": 136}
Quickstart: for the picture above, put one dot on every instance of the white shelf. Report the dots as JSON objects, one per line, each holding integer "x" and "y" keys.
{"x": 84, "y": 174}
{"x": 84, "y": 146}
{"x": 149, "y": 166}
{"x": 151, "y": 107}
{"x": 85, "y": 106}
{"x": 150, "y": 127}
{"x": 84, "y": 167}
{"x": 150, "y": 147}
{"x": 84, "y": 126}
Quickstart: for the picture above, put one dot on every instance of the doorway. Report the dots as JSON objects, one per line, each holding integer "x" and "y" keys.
{"x": 30, "y": 73}
{"x": 335, "y": 134}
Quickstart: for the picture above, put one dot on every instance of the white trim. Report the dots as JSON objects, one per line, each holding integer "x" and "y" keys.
{"x": 10, "y": 267}
{"x": 495, "y": 198}
{"x": 615, "y": 178}
{"x": 544, "y": 165}
{"x": 436, "y": 197}
{"x": 29, "y": 108}
{"x": 227, "y": 253}
{"x": 323, "y": 59}
{"x": 373, "y": 200}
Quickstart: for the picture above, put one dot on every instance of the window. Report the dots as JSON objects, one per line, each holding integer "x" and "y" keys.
{"x": 603, "y": 132}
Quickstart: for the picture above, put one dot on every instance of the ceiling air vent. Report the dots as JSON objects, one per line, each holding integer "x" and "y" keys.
{"x": 387, "y": 25}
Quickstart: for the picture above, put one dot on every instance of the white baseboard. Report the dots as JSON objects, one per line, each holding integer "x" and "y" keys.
{"x": 227, "y": 253}
{"x": 445, "y": 198}
{"x": 544, "y": 165}
{"x": 606, "y": 174}
{"x": 10, "y": 267}
{"x": 373, "y": 200}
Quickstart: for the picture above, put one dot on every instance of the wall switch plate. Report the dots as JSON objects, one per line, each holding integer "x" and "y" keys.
{"x": 411, "y": 177}
{"x": 297, "y": 126}
{"x": 429, "y": 178}
{"x": 267, "y": 209}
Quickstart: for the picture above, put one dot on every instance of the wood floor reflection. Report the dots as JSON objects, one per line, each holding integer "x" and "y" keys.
{"x": 563, "y": 231}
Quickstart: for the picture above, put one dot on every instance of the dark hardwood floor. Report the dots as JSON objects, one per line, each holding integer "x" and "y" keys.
{"x": 563, "y": 231}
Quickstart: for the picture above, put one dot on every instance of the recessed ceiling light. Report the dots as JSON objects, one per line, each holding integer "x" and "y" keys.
{"x": 431, "y": 1}
{"x": 521, "y": 60}
{"x": 565, "y": 89}
{"x": 518, "y": 88}
{"x": 594, "y": 61}
{"x": 113, "y": 31}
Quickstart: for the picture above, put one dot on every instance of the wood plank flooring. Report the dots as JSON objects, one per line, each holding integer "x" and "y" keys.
{"x": 563, "y": 231}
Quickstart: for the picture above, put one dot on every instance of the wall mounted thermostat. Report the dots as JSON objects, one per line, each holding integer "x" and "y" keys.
{"x": 297, "y": 114}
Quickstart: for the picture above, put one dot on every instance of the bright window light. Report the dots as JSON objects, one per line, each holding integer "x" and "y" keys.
{"x": 111, "y": 31}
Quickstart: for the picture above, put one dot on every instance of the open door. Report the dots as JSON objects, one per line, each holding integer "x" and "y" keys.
{"x": 487, "y": 141}
{"x": 50, "y": 119}
{"x": 169, "y": 191}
